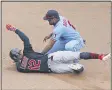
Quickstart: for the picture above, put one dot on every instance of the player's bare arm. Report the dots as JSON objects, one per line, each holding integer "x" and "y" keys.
{"x": 47, "y": 37}
{"x": 48, "y": 46}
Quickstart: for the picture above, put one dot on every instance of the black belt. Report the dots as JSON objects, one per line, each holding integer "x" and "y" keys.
{"x": 50, "y": 71}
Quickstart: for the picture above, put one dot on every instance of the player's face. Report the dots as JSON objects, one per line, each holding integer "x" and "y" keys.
{"x": 20, "y": 54}
{"x": 52, "y": 21}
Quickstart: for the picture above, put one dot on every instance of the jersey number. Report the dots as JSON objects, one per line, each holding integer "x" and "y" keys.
{"x": 65, "y": 23}
{"x": 33, "y": 65}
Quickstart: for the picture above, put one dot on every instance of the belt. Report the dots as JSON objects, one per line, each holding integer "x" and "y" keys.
{"x": 50, "y": 71}
{"x": 51, "y": 59}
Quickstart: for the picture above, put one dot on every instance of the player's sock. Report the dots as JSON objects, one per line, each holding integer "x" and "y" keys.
{"x": 88, "y": 55}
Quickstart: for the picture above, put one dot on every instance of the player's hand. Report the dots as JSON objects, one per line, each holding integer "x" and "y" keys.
{"x": 46, "y": 38}
{"x": 10, "y": 27}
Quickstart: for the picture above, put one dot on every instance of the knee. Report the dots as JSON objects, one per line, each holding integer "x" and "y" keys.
{"x": 69, "y": 47}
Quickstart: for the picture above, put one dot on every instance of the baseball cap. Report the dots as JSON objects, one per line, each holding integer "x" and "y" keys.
{"x": 50, "y": 14}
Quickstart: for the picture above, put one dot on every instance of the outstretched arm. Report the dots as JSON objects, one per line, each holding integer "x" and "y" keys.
{"x": 48, "y": 46}
{"x": 23, "y": 37}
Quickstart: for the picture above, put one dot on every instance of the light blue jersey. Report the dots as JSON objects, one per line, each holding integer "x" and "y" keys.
{"x": 63, "y": 30}
{"x": 66, "y": 37}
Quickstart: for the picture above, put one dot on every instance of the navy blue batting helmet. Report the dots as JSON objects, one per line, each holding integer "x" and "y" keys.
{"x": 15, "y": 54}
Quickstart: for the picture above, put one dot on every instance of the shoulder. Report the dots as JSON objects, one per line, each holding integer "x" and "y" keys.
{"x": 63, "y": 22}
{"x": 59, "y": 29}
{"x": 62, "y": 18}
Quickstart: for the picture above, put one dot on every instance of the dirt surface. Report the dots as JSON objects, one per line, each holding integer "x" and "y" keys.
{"x": 92, "y": 20}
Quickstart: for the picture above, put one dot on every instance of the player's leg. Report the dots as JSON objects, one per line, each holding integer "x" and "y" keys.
{"x": 66, "y": 68}
{"x": 63, "y": 62}
{"x": 65, "y": 56}
{"x": 58, "y": 46}
{"x": 75, "y": 45}
{"x": 69, "y": 56}
{"x": 89, "y": 55}
{"x": 61, "y": 68}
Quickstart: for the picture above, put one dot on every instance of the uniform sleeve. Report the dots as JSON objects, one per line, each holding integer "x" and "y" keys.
{"x": 57, "y": 33}
{"x": 25, "y": 39}
{"x": 20, "y": 69}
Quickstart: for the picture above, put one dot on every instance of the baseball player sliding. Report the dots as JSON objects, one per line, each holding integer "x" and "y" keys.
{"x": 57, "y": 62}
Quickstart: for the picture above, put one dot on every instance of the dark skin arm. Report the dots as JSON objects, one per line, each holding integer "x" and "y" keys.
{"x": 47, "y": 37}
{"x": 48, "y": 46}
{"x": 25, "y": 39}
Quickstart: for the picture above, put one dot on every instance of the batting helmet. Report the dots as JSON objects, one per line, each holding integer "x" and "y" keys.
{"x": 15, "y": 54}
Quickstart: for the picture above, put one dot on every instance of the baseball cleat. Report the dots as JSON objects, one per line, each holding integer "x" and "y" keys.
{"x": 78, "y": 68}
{"x": 106, "y": 57}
